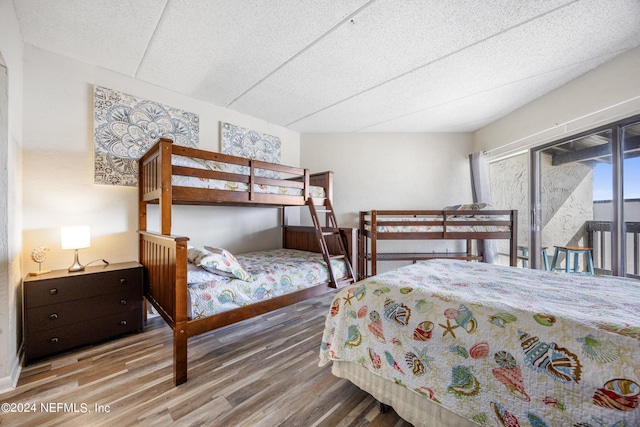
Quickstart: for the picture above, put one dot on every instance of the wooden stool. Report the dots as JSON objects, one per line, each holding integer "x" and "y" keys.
{"x": 525, "y": 256}
{"x": 575, "y": 251}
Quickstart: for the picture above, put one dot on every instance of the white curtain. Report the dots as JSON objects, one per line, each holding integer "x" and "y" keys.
{"x": 481, "y": 191}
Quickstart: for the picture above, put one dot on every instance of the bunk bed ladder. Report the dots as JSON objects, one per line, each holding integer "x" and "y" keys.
{"x": 340, "y": 248}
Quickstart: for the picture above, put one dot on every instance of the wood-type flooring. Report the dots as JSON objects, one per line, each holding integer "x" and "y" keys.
{"x": 259, "y": 372}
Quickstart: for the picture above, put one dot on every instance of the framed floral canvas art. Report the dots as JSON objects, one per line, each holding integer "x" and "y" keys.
{"x": 124, "y": 127}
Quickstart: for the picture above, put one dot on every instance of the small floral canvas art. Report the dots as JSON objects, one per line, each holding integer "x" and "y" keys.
{"x": 250, "y": 144}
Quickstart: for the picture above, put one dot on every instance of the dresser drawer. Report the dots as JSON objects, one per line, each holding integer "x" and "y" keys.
{"x": 64, "y": 338}
{"x": 71, "y": 288}
{"x": 65, "y": 313}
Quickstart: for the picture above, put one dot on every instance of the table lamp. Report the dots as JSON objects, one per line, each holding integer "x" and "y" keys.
{"x": 77, "y": 237}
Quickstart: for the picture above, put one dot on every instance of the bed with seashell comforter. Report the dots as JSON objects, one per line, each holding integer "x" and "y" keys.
{"x": 452, "y": 343}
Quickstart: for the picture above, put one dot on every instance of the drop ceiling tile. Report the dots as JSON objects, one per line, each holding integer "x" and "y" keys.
{"x": 442, "y": 113}
{"x": 472, "y": 112}
{"x": 340, "y": 65}
{"x": 111, "y": 34}
{"x": 215, "y": 50}
{"x": 384, "y": 41}
{"x": 539, "y": 47}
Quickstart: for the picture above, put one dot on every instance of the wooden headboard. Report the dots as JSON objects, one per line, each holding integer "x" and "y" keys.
{"x": 304, "y": 239}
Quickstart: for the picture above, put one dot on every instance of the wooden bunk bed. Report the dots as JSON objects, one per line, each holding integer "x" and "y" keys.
{"x": 165, "y": 181}
{"x": 468, "y": 225}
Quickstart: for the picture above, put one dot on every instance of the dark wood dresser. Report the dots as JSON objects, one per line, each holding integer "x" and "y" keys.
{"x": 64, "y": 310}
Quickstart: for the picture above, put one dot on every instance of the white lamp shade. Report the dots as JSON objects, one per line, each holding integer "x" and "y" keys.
{"x": 75, "y": 237}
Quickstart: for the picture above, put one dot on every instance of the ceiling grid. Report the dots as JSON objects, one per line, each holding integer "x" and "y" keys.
{"x": 344, "y": 65}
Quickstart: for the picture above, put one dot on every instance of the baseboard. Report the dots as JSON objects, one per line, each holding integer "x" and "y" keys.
{"x": 9, "y": 382}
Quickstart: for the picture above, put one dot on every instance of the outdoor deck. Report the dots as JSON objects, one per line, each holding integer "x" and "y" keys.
{"x": 599, "y": 238}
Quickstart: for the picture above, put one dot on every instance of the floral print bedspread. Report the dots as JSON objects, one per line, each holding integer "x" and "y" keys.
{"x": 218, "y": 184}
{"x": 274, "y": 273}
{"x": 465, "y": 226}
{"x": 498, "y": 345}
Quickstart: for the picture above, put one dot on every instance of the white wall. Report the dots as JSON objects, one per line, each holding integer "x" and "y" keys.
{"x": 509, "y": 190}
{"x": 58, "y": 169}
{"x": 603, "y": 95}
{"x": 392, "y": 171}
{"x": 11, "y": 55}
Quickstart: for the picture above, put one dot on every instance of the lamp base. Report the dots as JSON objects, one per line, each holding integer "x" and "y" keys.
{"x": 76, "y": 266}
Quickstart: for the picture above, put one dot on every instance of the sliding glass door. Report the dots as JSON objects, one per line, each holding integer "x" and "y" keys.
{"x": 585, "y": 201}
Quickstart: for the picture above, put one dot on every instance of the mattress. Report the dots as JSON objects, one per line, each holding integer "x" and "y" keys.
{"x": 273, "y": 273}
{"x": 497, "y": 345}
{"x": 217, "y": 184}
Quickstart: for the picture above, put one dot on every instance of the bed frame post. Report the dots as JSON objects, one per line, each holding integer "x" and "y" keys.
{"x": 180, "y": 353}
{"x": 252, "y": 180}
{"x": 180, "y": 332}
{"x": 362, "y": 254}
{"x": 284, "y": 221}
{"x": 305, "y": 190}
{"x": 142, "y": 205}
{"x": 513, "y": 253}
{"x": 326, "y": 182}
{"x": 165, "y": 179}
{"x": 374, "y": 246}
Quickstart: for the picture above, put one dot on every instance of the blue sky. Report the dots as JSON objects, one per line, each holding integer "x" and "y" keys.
{"x": 602, "y": 181}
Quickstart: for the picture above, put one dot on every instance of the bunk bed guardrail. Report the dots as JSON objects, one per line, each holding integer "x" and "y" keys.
{"x": 432, "y": 225}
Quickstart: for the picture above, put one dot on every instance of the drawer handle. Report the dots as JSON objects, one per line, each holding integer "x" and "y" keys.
{"x": 53, "y": 291}
{"x": 123, "y": 302}
{"x": 54, "y": 340}
{"x": 123, "y": 322}
{"x": 123, "y": 280}
{"x": 53, "y": 316}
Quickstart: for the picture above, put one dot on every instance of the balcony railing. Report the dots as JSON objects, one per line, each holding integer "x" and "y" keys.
{"x": 599, "y": 238}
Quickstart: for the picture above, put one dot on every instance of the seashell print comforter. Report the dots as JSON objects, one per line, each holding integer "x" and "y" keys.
{"x": 273, "y": 273}
{"x": 501, "y": 346}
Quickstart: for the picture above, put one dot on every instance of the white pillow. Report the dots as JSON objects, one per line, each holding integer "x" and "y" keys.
{"x": 197, "y": 274}
{"x": 188, "y": 162}
{"x": 218, "y": 261}
{"x": 197, "y": 163}
{"x": 217, "y": 166}
{"x": 474, "y": 207}
{"x": 467, "y": 207}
